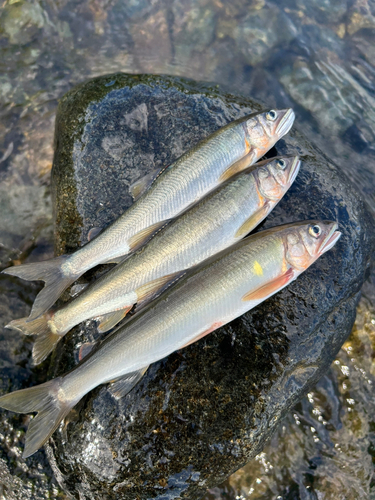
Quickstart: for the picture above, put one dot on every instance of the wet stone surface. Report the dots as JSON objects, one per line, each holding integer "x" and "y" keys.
{"x": 20, "y": 479}
{"x": 203, "y": 412}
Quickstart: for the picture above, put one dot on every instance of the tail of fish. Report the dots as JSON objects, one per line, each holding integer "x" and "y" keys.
{"x": 45, "y": 341}
{"x": 56, "y": 279}
{"x": 51, "y": 407}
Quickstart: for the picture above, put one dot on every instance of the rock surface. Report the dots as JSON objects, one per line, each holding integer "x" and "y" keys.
{"x": 44, "y": 52}
{"x": 174, "y": 436}
{"x": 19, "y": 479}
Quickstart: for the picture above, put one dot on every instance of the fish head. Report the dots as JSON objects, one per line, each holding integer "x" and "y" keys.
{"x": 307, "y": 241}
{"x": 275, "y": 176}
{"x": 264, "y": 129}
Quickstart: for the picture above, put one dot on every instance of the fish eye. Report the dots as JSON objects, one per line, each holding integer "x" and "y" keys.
{"x": 315, "y": 231}
{"x": 281, "y": 163}
{"x": 271, "y": 115}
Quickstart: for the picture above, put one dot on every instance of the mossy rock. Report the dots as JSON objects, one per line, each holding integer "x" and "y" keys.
{"x": 203, "y": 412}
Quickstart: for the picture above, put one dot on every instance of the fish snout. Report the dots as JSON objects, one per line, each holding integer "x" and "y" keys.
{"x": 332, "y": 237}
{"x": 284, "y": 121}
{"x": 294, "y": 169}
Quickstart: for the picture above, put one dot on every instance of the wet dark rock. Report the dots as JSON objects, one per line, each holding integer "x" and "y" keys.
{"x": 19, "y": 479}
{"x": 203, "y": 412}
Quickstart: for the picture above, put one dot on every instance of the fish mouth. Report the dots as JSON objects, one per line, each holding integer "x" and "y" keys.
{"x": 330, "y": 240}
{"x": 294, "y": 169}
{"x": 286, "y": 122}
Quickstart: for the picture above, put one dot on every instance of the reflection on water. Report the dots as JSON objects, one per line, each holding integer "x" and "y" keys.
{"x": 316, "y": 56}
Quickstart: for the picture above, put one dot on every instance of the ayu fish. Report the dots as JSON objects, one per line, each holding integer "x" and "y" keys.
{"x": 221, "y": 219}
{"x": 221, "y": 155}
{"x": 216, "y": 292}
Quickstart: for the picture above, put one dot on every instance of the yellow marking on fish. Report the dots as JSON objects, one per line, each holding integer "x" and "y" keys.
{"x": 284, "y": 265}
{"x": 261, "y": 198}
{"x": 258, "y": 269}
{"x": 247, "y": 145}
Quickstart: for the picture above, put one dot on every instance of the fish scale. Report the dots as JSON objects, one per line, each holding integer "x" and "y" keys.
{"x": 207, "y": 228}
{"x": 179, "y": 186}
{"x": 213, "y": 293}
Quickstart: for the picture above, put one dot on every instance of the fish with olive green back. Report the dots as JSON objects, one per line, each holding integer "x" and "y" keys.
{"x": 221, "y": 155}
{"x": 223, "y": 217}
{"x": 216, "y": 292}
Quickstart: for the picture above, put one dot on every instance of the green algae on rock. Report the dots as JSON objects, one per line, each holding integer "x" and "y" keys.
{"x": 203, "y": 412}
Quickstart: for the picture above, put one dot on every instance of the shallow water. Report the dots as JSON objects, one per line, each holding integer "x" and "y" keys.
{"x": 318, "y": 57}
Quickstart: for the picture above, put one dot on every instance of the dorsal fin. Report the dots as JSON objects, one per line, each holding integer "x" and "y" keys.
{"x": 94, "y": 231}
{"x": 141, "y": 185}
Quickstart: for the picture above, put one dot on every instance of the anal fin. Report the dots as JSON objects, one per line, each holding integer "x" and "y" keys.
{"x": 271, "y": 287}
{"x": 111, "y": 319}
{"x": 120, "y": 387}
{"x": 238, "y": 166}
{"x": 253, "y": 221}
{"x": 140, "y": 238}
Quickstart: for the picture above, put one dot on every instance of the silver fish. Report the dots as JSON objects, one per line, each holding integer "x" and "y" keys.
{"x": 218, "y": 291}
{"x": 222, "y": 218}
{"x": 221, "y": 155}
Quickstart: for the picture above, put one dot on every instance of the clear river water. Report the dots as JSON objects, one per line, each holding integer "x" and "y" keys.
{"x": 317, "y": 56}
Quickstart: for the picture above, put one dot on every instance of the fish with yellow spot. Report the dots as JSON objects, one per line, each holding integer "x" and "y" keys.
{"x": 258, "y": 268}
{"x": 223, "y": 154}
{"x": 222, "y": 218}
{"x": 216, "y": 292}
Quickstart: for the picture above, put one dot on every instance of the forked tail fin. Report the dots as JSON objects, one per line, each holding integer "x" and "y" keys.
{"x": 45, "y": 341}
{"x": 43, "y": 399}
{"x": 55, "y": 278}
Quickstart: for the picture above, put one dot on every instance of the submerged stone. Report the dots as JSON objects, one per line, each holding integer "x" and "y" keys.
{"x": 202, "y": 412}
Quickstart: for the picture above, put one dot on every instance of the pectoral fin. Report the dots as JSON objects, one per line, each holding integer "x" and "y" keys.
{"x": 238, "y": 166}
{"x": 271, "y": 287}
{"x": 252, "y": 221}
{"x": 120, "y": 387}
{"x": 140, "y": 238}
{"x": 111, "y": 319}
{"x": 149, "y": 290}
{"x": 141, "y": 185}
